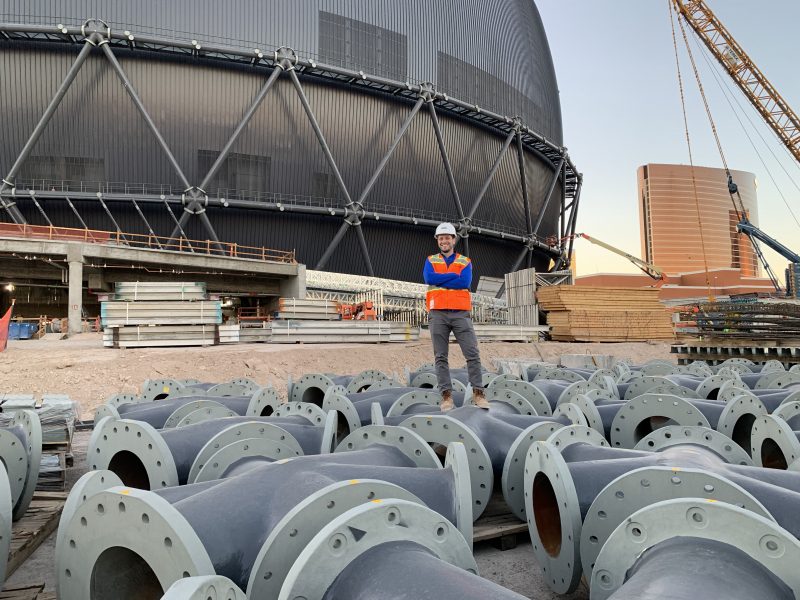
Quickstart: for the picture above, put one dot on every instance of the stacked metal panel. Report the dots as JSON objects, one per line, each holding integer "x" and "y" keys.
{"x": 320, "y": 332}
{"x": 160, "y": 314}
{"x": 311, "y": 310}
{"x": 521, "y": 297}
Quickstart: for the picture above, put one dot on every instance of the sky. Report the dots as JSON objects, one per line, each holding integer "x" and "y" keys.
{"x": 615, "y": 65}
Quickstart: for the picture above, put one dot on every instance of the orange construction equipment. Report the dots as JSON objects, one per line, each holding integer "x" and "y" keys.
{"x": 360, "y": 311}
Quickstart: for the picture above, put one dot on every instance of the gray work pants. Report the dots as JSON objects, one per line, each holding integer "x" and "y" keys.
{"x": 441, "y": 323}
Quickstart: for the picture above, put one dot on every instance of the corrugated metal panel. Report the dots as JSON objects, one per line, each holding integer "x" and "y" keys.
{"x": 197, "y": 105}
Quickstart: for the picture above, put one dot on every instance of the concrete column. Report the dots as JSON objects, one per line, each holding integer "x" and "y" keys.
{"x": 75, "y": 308}
{"x": 294, "y": 287}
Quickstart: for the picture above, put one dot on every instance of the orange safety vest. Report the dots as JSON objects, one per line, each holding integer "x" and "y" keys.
{"x": 439, "y": 298}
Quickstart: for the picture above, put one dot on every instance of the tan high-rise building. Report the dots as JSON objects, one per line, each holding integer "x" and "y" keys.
{"x": 671, "y": 226}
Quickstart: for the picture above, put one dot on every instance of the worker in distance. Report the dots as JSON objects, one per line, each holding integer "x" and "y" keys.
{"x": 449, "y": 276}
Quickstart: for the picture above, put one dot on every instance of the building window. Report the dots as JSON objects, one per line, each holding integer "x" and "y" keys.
{"x": 55, "y": 169}
{"x": 355, "y": 44}
{"x": 239, "y": 172}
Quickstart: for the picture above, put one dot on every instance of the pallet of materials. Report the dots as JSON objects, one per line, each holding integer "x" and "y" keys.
{"x": 201, "y": 312}
{"x": 312, "y": 310}
{"x": 321, "y": 332}
{"x": 403, "y": 332}
{"x": 254, "y": 334}
{"x": 229, "y": 334}
{"x": 489, "y": 332}
{"x": 161, "y": 335}
{"x": 749, "y": 320}
{"x": 759, "y": 351}
{"x": 138, "y": 291}
{"x": 600, "y": 314}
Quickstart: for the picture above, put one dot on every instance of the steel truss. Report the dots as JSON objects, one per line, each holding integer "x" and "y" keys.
{"x": 194, "y": 199}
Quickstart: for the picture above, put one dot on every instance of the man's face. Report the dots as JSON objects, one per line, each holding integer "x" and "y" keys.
{"x": 446, "y": 242}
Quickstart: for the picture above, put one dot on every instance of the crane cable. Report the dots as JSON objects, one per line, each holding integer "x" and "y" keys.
{"x": 689, "y": 146}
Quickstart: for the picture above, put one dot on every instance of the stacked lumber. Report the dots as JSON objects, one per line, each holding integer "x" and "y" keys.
{"x": 160, "y": 314}
{"x": 600, "y": 314}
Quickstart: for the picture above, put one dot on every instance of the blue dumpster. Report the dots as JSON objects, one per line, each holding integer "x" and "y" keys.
{"x": 13, "y": 331}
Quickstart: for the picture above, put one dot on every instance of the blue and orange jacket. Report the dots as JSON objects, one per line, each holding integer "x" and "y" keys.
{"x": 448, "y": 280}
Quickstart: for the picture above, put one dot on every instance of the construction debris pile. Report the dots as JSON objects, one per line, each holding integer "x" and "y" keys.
{"x": 619, "y": 473}
{"x": 604, "y": 314}
{"x": 748, "y": 319}
{"x": 148, "y": 314}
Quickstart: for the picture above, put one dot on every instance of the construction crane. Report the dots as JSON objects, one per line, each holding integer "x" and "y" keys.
{"x": 646, "y": 267}
{"x": 766, "y": 100}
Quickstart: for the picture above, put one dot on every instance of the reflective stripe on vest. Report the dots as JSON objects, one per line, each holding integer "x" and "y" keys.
{"x": 439, "y": 298}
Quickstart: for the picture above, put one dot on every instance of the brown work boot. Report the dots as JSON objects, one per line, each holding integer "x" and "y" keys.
{"x": 479, "y": 399}
{"x": 447, "y": 401}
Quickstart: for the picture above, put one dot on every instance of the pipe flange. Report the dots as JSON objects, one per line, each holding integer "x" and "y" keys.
{"x": 782, "y": 380}
{"x": 512, "y": 399}
{"x": 207, "y": 413}
{"x": 222, "y": 459}
{"x": 634, "y": 419}
{"x": 643, "y": 487}
{"x": 138, "y": 521}
{"x": 737, "y": 418}
{"x": 595, "y": 395}
{"x": 334, "y": 389}
{"x": 673, "y": 389}
{"x": 732, "y": 391}
{"x": 738, "y": 361}
{"x": 249, "y": 386}
{"x": 125, "y": 437}
{"x": 120, "y": 399}
{"x": 311, "y": 387}
{"x": 571, "y": 412}
{"x": 576, "y": 434}
{"x": 179, "y": 413}
{"x": 552, "y": 507}
{"x": 297, "y": 528}
{"x": 774, "y": 444}
{"x": 527, "y": 390}
{"x": 709, "y": 387}
{"x": 590, "y": 412}
{"x": 106, "y": 410}
{"x": 404, "y": 402}
{"x": 384, "y": 384}
{"x": 263, "y": 403}
{"x": 441, "y": 429}
{"x": 718, "y": 443}
{"x": 6, "y": 518}
{"x": 425, "y": 379}
{"x": 643, "y": 384}
{"x": 514, "y": 465}
{"x": 700, "y": 369}
{"x": 794, "y": 369}
{"x": 342, "y": 405}
{"x": 622, "y": 370}
{"x": 228, "y": 389}
{"x": 158, "y": 389}
{"x": 787, "y": 411}
{"x": 203, "y": 588}
{"x": 792, "y": 397}
{"x": 376, "y": 414}
{"x": 28, "y": 420}
{"x": 15, "y": 459}
{"x": 733, "y": 370}
{"x": 242, "y": 431}
{"x": 766, "y": 380}
{"x": 559, "y": 374}
{"x": 772, "y": 365}
{"x": 362, "y": 528}
{"x": 405, "y": 440}
{"x": 574, "y": 390}
{"x": 658, "y": 368}
{"x": 88, "y": 485}
{"x": 758, "y": 537}
{"x": 364, "y": 380}
{"x": 312, "y": 412}
{"x": 501, "y": 380}
{"x": 606, "y": 380}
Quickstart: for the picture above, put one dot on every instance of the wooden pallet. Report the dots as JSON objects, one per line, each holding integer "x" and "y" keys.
{"x": 26, "y": 592}
{"x": 498, "y": 525}
{"x": 36, "y": 525}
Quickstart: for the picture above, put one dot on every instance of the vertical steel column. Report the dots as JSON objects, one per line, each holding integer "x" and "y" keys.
{"x": 563, "y": 209}
{"x": 492, "y": 171}
{"x": 523, "y": 179}
{"x": 549, "y": 195}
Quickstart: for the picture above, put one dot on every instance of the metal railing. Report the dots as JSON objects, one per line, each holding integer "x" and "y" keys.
{"x": 146, "y": 242}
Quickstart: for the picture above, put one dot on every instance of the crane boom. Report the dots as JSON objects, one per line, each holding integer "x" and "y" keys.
{"x": 753, "y": 83}
{"x": 645, "y": 266}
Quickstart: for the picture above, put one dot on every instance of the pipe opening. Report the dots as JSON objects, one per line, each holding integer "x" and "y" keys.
{"x": 547, "y": 514}
{"x": 772, "y": 456}
{"x": 427, "y": 386}
{"x": 342, "y": 426}
{"x": 313, "y": 395}
{"x": 267, "y": 410}
{"x": 440, "y": 450}
{"x": 160, "y": 397}
{"x": 743, "y": 430}
{"x": 713, "y": 394}
{"x": 650, "y": 424}
{"x": 130, "y": 469}
{"x": 121, "y": 574}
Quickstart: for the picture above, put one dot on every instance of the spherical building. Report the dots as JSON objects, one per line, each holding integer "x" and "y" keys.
{"x": 343, "y": 130}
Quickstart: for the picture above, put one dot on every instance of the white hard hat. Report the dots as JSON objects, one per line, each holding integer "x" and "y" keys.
{"x": 445, "y": 229}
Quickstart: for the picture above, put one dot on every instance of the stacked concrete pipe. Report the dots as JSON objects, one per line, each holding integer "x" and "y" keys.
{"x": 283, "y": 529}
{"x": 578, "y": 490}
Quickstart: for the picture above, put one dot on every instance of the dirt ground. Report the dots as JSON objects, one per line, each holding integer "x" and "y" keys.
{"x": 89, "y": 373}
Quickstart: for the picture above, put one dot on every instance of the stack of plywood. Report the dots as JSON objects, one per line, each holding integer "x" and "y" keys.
{"x": 600, "y": 314}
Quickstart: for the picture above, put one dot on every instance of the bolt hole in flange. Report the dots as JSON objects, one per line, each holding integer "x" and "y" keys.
{"x": 121, "y": 574}
{"x": 130, "y": 469}
{"x": 772, "y": 456}
{"x": 547, "y": 514}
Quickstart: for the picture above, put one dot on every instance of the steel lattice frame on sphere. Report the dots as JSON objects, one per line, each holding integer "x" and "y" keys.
{"x": 398, "y": 154}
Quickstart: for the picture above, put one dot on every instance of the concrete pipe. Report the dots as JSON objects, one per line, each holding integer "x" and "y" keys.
{"x": 146, "y": 458}
{"x": 489, "y": 438}
{"x": 401, "y": 562}
{"x": 125, "y": 543}
{"x": 170, "y": 411}
{"x": 563, "y": 481}
{"x": 696, "y": 548}
{"x": 205, "y": 587}
{"x": 21, "y": 455}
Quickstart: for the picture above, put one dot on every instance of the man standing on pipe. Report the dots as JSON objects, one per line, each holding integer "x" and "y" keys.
{"x": 449, "y": 276}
